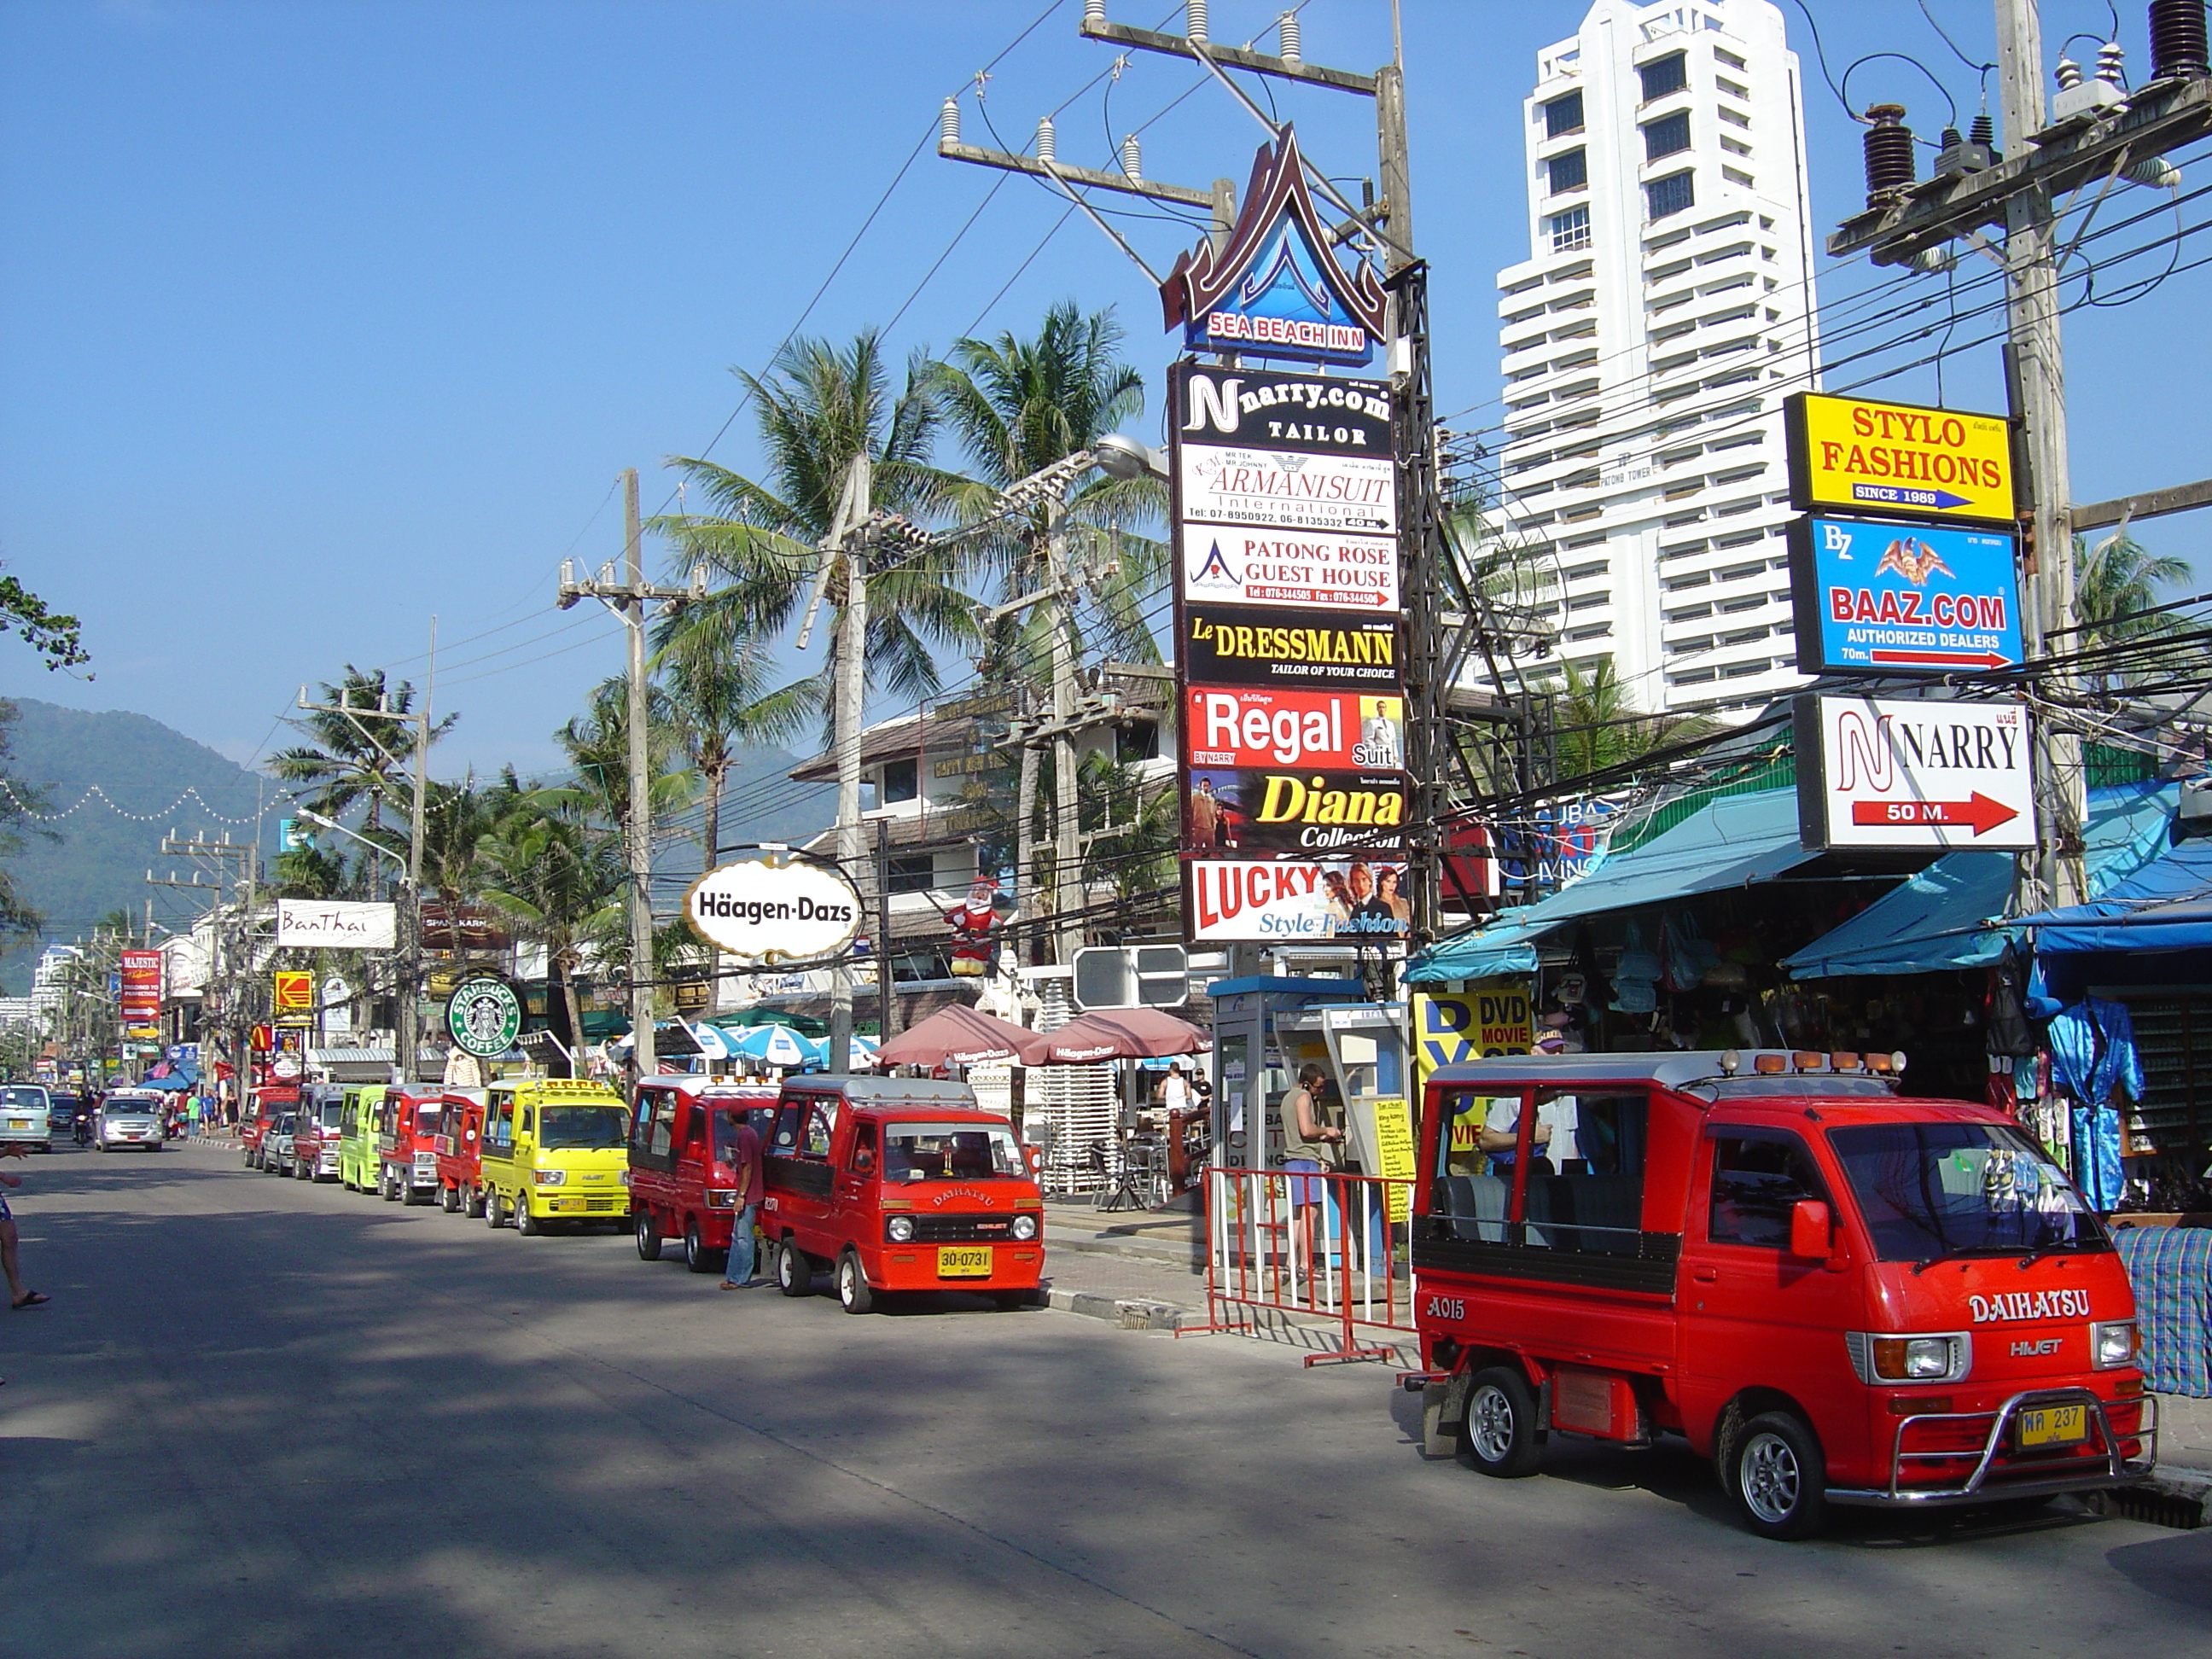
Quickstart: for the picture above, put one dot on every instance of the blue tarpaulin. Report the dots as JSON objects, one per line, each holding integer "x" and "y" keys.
{"x": 1732, "y": 841}
{"x": 2164, "y": 906}
{"x": 1939, "y": 919}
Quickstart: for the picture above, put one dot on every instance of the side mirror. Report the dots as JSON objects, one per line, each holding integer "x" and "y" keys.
{"x": 1809, "y": 1231}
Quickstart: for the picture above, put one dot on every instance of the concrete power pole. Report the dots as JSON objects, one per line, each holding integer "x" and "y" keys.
{"x": 848, "y": 539}
{"x": 1067, "y": 847}
{"x": 2038, "y": 379}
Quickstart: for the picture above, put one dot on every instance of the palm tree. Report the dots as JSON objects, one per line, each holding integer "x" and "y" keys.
{"x": 597, "y": 744}
{"x": 1600, "y": 725}
{"x": 821, "y": 407}
{"x": 458, "y": 819}
{"x": 714, "y": 690}
{"x": 353, "y": 761}
{"x": 1136, "y": 825}
{"x": 560, "y": 885}
{"x": 2115, "y": 582}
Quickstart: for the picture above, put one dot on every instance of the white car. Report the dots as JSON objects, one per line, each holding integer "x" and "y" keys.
{"x": 23, "y": 1116}
{"x": 131, "y": 1118}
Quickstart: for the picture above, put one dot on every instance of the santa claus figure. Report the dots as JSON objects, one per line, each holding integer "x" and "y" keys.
{"x": 973, "y": 925}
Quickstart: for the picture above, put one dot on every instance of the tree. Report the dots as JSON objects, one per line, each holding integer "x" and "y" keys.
{"x": 59, "y": 639}
{"x": 1600, "y": 725}
{"x": 559, "y": 883}
{"x": 717, "y": 704}
{"x": 352, "y": 761}
{"x": 2115, "y": 582}
{"x": 820, "y": 406}
{"x": 597, "y": 743}
{"x": 18, "y": 801}
{"x": 458, "y": 820}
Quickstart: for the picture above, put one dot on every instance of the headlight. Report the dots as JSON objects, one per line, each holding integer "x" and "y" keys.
{"x": 900, "y": 1230}
{"x": 550, "y": 1177}
{"x": 722, "y": 1198}
{"x": 625, "y": 1176}
{"x": 1025, "y": 1226}
{"x": 2113, "y": 1344}
{"x": 1943, "y": 1357}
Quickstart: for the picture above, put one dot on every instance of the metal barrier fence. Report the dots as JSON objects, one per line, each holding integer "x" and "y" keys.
{"x": 1325, "y": 1247}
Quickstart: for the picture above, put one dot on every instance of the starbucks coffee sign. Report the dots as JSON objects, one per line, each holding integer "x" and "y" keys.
{"x": 483, "y": 1016}
{"x": 772, "y": 910}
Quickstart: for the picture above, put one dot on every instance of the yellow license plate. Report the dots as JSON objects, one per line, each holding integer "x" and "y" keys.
{"x": 963, "y": 1261}
{"x": 2054, "y": 1425}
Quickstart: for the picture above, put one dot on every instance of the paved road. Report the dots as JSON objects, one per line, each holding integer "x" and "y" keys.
{"x": 266, "y": 1419}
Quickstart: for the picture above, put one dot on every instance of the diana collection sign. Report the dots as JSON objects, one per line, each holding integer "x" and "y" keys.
{"x": 772, "y": 910}
{"x": 335, "y": 925}
{"x": 1858, "y": 455}
{"x": 1876, "y": 597}
{"x": 1905, "y": 773}
{"x": 483, "y": 1016}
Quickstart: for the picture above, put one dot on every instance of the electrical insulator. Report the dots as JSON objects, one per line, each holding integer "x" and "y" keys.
{"x": 1133, "y": 157}
{"x": 2154, "y": 171}
{"x": 2176, "y": 39}
{"x": 1194, "y": 25}
{"x": 1094, "y": 11}
{"x": 2068, "y": 73}
{"x": 1984, "y": 131}
{"x": 948, "y": 121}
{"x": 1293, "y": 50}
{"x": 2110, "y": 57}
{"x": 1891, "y": 165}
{"x": 1044, "y": 143}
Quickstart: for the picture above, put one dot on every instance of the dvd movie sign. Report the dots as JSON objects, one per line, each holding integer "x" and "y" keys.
{"x": 1285, "y": 649}
{"x": 1237, "y": 726}
{"x": 1310, "y": 570}
{"x": 1240, "y": 810}
{"x": 1295, "y": 900}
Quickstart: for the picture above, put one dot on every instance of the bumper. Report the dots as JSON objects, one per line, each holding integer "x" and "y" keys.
{"x": 553, "y": 1203}
{"x": 1996, "y": 1476}
{"x": 41, "y": 1138}
{"x": 1013, "y": 1268}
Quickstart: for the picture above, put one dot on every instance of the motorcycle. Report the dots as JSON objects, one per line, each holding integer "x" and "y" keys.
{"x": 83, "y": 1130}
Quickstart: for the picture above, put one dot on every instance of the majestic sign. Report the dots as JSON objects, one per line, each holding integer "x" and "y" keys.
{"x": 1309, "y": 570}
{"x": 1295, "y": 900}
{"x": 1855, "y": 454}
{"x": 1276, "y": 289}
{"x": 1875, "y": 598}
{"x": 1278, "y": 810}
{"x": 1224, "y": 726}
{"x": 483, "y": 1016}
{"x": 140, "y": 986}
{"x": 773, "y": 910}
{"x": 335, "y": 925}
{"x": 1261, "y": 647}
{"x": 1906, "y": 772}
{"x": 294, "y": 998}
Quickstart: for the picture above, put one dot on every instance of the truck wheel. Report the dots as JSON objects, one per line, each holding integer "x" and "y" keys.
{"x": 407, "y": 1194}
{"x": 854, "y": 1295}
{"x": 1774, "y": 1470}
{"x": 449, "y": 1199}
{"x": 794, "y": 1270}
{"x": 698, "y": 1255}
{"x": 491, "y": 1214}
{"x": 649, "y": 1236}
{"x": 525, "y": 1218}
{"x": 1499, "y": 1436}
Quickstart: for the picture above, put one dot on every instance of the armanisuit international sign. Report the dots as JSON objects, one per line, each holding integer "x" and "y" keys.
{"x": 772, "y": 909}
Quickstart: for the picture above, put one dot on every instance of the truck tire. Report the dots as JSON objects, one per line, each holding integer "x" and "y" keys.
{"x": 491, "y": 1212}
{"x": 1499, "y": 1436}
{"x": 525, "y": 1218}
{"x": 794, "y": 1270}
{"x": 854, "y": 1295}
{"x": 1775, "y": 1472}
{"x": 472, "y": 1203}
{"x": 449, "y": 1199}
{"x": 647, "y": 1228}
{"x": 698, "y": 1254}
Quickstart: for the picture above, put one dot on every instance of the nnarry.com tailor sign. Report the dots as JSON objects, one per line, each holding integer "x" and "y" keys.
{"x": 1880, "y": 598}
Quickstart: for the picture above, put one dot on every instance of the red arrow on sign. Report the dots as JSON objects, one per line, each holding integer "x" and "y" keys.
{"x": 1945, "y": 659}
{"x": 1979, "y": 812}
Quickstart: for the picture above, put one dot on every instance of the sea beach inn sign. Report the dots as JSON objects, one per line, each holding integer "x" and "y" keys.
{"x": 1276, "y": 289}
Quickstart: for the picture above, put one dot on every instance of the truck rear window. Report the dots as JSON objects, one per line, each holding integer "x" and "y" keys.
{"x": 948, "y": 1152}
{"x": 1931, "y": 1190}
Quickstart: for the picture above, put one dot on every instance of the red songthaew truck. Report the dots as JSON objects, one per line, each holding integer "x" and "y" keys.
{"x": 1839, "y": 1294}
{"x": 682, "y": 1178}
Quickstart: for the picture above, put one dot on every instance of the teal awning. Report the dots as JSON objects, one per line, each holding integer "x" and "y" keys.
{"x": 1940, "y": 918}
{"x": 1732, "y": 841}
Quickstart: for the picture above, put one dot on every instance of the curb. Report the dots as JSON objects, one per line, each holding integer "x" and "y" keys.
{"x": 1126, "y": 1313}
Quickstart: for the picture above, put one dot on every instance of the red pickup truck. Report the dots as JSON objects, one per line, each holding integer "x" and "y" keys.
{"x": 455, "y": 1148}
{"x": 681, "y": 1182}
{"x": 1840, "y": 1294}
{"x": 407, "y": 1146}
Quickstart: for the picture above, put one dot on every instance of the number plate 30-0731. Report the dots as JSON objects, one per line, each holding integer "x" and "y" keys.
{"x": 964, "y": 1262}
{"x": 2053, "y": 1425}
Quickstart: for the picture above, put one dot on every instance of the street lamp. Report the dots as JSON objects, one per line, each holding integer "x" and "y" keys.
{"x": 374, "y": 847}
{"x": 1119, "y": 456}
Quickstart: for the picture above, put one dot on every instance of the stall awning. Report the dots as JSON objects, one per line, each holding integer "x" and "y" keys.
{"x": 1939, "y": 919}
{"x": 1732, "y": 841}
{"x": 2164, "y": 906}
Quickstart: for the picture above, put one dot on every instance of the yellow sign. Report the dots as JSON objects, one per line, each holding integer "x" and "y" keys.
{"x": 1861, "y": 456}
{"x": 1491, "y": 1019}
{"x": 295, "y": 999}
{"x": 1394, "y": 1157}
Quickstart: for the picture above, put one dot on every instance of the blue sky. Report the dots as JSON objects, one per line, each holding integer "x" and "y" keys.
{"x": 316, "y": 319}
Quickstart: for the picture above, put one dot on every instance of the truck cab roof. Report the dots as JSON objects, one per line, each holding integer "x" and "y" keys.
{"x": 1736, "y": 1072}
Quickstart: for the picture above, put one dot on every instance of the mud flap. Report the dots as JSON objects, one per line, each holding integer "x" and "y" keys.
{"x": 1443, "y": 1409}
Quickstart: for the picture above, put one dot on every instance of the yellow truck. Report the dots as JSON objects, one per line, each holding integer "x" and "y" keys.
{"x": 554, "y": 1149}
{"x": 359, "y": 1167}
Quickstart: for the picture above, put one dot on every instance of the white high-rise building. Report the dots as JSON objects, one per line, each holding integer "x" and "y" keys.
{"x": 1650, "y": 341}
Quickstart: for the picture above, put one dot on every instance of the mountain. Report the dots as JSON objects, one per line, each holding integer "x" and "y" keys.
{"x": 120, "y": 782}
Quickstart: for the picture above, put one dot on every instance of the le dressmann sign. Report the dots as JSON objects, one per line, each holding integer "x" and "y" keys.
{"x": 770, "y": 910}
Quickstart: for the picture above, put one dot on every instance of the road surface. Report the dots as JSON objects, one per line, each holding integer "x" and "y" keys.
{"x": 263, "y": 1418}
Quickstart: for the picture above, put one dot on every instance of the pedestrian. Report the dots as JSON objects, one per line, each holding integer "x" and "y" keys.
{"x": 18, "y": 1297}
{"x": 1311, "y": 1145}
{"x": 744, "y": 1162}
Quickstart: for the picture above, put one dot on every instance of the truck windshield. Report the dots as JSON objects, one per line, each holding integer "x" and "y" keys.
{"x": 1931, "y": 1190}
{"x": 948, "y": 1152}
{"x": 329, "y": 1113}
{"x": 580, "y": 1128}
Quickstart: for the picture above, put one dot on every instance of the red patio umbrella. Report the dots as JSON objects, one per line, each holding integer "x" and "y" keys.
{"x": 1123, "y": 1033}
{"x": 959, "y": 1035}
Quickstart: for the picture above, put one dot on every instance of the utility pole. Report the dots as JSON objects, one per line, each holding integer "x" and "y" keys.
{"x": 627, "y": 599}
{"x": 1067, "y": 851}
{"x": 886, "y": 992}
{"x": 848, "y": 540}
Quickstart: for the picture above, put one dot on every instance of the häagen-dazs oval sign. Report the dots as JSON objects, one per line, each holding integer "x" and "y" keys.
{"x": 769, "y": 910}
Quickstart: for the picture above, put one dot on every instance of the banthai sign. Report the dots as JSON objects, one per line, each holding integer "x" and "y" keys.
{"x": 1859, "y": 454}
{"x": 1276, "y": 288}
{"x": 1904, "y": 773}
{"x": 772, "y": 909}
{"x": 335, "y": 925}
{"x": 1883, "y": 597}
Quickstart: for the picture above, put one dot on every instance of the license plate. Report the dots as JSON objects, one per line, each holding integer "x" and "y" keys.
{"x": 2054, "y": 1425}
{"x": 19, "y": 1123}
{"x": 963, "y": 1261}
